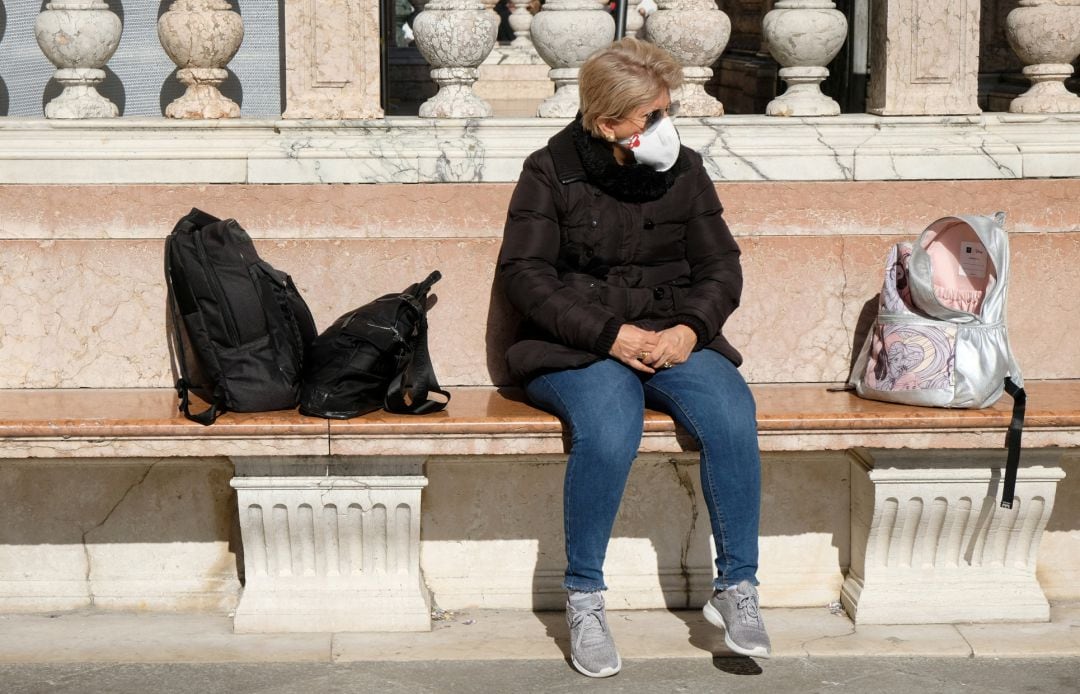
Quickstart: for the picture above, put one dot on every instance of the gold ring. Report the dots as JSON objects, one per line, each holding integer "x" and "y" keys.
{"x": 644, "y": 356}
{"x": 667, "y": 365}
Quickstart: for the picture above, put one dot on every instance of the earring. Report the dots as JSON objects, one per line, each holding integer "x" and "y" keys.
{"x": 609, "y": 137}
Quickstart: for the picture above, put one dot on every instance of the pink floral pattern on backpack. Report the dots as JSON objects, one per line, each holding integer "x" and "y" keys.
{"x": 906, "y": 357}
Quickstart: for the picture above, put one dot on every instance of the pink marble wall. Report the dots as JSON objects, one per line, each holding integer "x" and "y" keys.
{"x": 82, "y": 295}
{"x": 479, "y": 209}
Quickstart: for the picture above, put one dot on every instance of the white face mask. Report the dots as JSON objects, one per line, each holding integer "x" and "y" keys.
{"x": 657, "y": 147}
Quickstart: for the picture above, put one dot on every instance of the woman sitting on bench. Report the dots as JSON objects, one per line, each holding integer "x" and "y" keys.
{"x": 616, "y": 254}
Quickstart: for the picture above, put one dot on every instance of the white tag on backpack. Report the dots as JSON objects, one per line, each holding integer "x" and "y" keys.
{"x": 973, "y": 259}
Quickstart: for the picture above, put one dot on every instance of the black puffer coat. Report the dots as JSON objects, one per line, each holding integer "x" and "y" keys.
{"x": 590, "y": 245}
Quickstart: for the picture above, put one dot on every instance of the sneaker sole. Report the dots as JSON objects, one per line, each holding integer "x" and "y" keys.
{"x": 713, "y": 616}
{"x": 606, "y": 672}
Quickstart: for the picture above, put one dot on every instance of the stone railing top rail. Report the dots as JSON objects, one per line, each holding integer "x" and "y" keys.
{"x": 411, "y": 150}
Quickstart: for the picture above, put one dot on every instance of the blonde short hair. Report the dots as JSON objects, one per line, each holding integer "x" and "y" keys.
{"x": 625, "y": 76}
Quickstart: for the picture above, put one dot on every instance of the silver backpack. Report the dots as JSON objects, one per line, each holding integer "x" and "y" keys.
{"x": 940, "y": 339}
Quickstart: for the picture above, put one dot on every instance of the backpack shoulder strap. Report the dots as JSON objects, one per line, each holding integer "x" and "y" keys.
{"x": 419, "y": 378}
{"x": 176, "y": 346}
{"x": 1012, "y": 441}
{"x": 419, "y": 375}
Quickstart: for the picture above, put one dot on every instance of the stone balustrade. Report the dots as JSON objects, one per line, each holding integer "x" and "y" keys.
{"x": 331, "y": 51}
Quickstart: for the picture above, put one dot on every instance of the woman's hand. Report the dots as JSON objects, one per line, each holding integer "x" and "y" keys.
{"x": 634, "y": 346}
{"x": 673, "y": 346}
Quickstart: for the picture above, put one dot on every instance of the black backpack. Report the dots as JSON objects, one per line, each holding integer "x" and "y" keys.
{"x": 239, "y": 327}
{"x": 371, "y": 357}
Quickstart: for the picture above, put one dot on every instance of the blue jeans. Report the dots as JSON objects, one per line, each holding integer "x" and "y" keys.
{"x": 604, "y": 405}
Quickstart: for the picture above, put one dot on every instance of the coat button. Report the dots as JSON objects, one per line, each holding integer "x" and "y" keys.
{"x": 595, "y": 224}
{"x": 649, "y": 224}
{"x": 658, "y": 293}
{"x": 588, "y": 252}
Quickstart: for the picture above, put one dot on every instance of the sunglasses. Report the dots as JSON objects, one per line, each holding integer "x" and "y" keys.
{"x": 653, "y": 117}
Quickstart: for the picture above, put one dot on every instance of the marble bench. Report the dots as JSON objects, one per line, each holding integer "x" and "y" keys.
{"x": 329, "y": 511}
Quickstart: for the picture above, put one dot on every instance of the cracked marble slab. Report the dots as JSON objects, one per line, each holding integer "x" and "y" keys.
{"x": 411, "y": 150}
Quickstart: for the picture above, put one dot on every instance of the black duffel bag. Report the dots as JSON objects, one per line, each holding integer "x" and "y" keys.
{"x": 372, "y": 357}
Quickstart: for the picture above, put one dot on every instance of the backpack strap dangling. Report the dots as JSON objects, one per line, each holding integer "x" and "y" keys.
{"x": 419, "y": 379}
{"x": 418, "y": 376}
{"x": 176, "y": 341}
{"x": 1012, "y": 441}
{"x": 206, "y": 417}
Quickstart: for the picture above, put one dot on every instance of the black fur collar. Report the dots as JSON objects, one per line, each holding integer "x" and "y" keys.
{"x": 629, "y": 182}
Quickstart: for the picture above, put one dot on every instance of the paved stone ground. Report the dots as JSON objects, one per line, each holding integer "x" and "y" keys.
{"x": 802, "y": 675}
{"x": 815, "y": 650}
{"x": 95, "y": 636}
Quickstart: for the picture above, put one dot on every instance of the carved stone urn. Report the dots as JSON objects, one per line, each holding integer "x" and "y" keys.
{"x": 201, "y": 37}
{"x": 79, "y": 37}
{"x": 565, "y": 33}
{"x": 521, "y": 22}
{"x": 455, "y": 36}
{"x": 696, "y": 33}
{"x": 1046, "y": 36}
{"x": 804, "y": 36}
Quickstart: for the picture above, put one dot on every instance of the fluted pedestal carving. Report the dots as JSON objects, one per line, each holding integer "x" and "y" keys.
{"x": 455, "y": 36}
{"x": 201, "y": 37}
{"x": 331, "y": 546}
{"x": 930, "y": 542}
{"x": 566, "y": 33}
{"x": 1046, "y": 36}
{"x": 79, "y": 37}
{"x": 804, "y": 36}
{"x": 695, "y": 32}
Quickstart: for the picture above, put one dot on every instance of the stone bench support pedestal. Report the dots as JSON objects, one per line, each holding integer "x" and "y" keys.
{"x": 930, "y": 542}
{"x": 331, "y": 545}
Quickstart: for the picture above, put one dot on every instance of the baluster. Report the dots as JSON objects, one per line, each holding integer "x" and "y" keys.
{"x": 455, "y": 36}
{"x": 79, "y": 37}
{"x": 1046, "y": 36}
{"x": 634, "y": 20}
{"x": 565, "y": 33}
{"x": 521, "y": 22}
{"x": 695, "y": 32}
{"x": 804, "y": 36}
{"x": 201, "y": 37}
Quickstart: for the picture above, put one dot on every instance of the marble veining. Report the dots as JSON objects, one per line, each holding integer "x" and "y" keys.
{"x": 735, "y": 148}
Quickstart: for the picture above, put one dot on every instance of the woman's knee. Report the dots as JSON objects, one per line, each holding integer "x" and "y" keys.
{"x": 715, "y": 416}
{"x": 603, "y": 407}
{"x": 614, "y": 438}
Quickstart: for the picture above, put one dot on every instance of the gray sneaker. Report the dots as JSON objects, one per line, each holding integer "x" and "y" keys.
{"x": 735, "y": 610}
{"x": 592, "y": 650}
